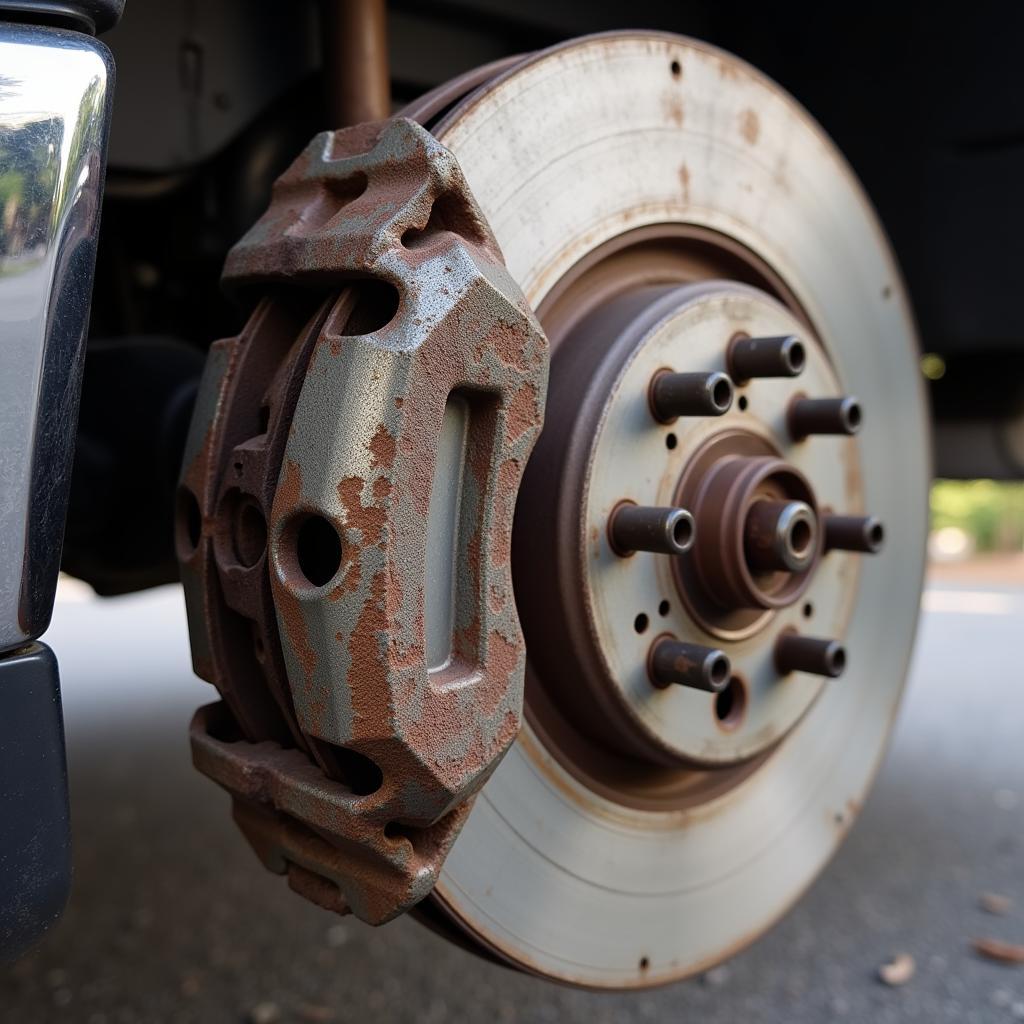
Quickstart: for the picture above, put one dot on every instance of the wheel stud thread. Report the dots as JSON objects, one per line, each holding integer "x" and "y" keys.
{"x": 748, "y": 358}
{"x": 820, "y": 657}
{"x": 780, "y": 536}
{"x": 854, "y": 533}
{"x": 667, "y": 531}
{"x": 689, "y": 394}
{"x": 702, "y": 668}
{"x": 809, "y": 416}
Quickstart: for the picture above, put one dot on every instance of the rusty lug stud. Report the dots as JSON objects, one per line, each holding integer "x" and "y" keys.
{"x": 748, "y": 358}
{"x": 854, "y": 533}
{"x": 780, "y": 536}
{"x": 795, "y": 653}
{"x": 667, "y": 531}
{"x": 702, "y": 668}
{"x": 689, "y": 394}
{"x": 824, "y": 416}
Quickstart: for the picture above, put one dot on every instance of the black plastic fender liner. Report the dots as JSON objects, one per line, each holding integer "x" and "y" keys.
{"x": 35, "y": 835}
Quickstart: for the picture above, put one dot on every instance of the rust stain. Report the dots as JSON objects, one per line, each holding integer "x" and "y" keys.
{"x": 382, "y": 448}
{"x": 750, "y": 126}
{"x": 672, "y": 107}
{"x": 522, "y": 411}
{"x": 684, "y": 180}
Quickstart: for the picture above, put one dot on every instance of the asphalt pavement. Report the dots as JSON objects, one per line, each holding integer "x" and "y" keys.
{"x": 172, "y": 920}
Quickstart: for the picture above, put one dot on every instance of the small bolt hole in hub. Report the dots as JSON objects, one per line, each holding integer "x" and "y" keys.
{"x": 731, "y": 703}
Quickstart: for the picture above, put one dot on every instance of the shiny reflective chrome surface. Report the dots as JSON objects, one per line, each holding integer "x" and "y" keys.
{"x": 55, "y": 90}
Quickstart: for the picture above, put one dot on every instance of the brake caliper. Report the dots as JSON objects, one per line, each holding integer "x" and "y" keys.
{"x": 345, "y": 514}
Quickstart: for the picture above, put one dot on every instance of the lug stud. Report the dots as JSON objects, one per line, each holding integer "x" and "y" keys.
{"x": 702, "y": 668}
{"x": 766, "y": 357}
{"x": 795, "y": 653}
{"x": 854, "y": 533}
{"x": 689, "y": 394}
{"x": 780, "y": 536}
{"x": 667, "y": 531}
{"x": 824, "y": 416}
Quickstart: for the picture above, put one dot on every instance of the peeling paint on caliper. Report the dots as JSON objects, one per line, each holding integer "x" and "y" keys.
{"x": 351, "y": 749}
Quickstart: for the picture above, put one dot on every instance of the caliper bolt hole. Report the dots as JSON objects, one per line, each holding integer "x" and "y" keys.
{"x": 309, "y": 551}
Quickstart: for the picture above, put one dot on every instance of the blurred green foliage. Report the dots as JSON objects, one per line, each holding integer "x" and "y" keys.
{"x": 992, "y": 512}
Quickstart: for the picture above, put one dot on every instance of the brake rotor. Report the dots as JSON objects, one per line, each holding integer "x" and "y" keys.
{"x": 659, "y": 201}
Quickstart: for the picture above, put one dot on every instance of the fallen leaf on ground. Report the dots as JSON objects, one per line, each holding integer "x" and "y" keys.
{"x": 1002, "y": 952}
{"x": 264, "y": 1013}
{"x": 995, "y": 903}
{"x": 897, "y": 971}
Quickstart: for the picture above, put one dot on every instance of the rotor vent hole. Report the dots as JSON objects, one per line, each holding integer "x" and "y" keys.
{"x": 328, "y": 202}
{"x": 664, "y": 608}
{"x": 317, "y": 550}
{"x": 743, "y": 403}
{"x": 450, "y": 213}
{"x": 644, "y": 963}
{"x": 808, "y": 610}
{"x": 640, "y": 623}
{"x": 731, "y": 704}
{"x": 676, "y": 68}
{"x": 189, "y": 522}
{"x": 671, "y": 441}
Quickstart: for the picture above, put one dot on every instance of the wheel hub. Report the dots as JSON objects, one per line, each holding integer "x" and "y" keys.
{"x": 620, "y": 615}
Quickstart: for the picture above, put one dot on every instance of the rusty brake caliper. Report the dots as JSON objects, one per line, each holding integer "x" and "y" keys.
{"x": 344, "y": 519}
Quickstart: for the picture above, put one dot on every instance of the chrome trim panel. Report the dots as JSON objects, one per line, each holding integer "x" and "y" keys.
{"x": 55, "y": 91}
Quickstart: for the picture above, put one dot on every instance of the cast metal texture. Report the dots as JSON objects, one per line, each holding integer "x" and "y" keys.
{"x": 388, "y": 388}
{"x": 570, "y": 150}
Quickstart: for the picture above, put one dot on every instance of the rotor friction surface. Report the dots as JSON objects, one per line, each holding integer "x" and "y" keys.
{"x": 565, "y": 152}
